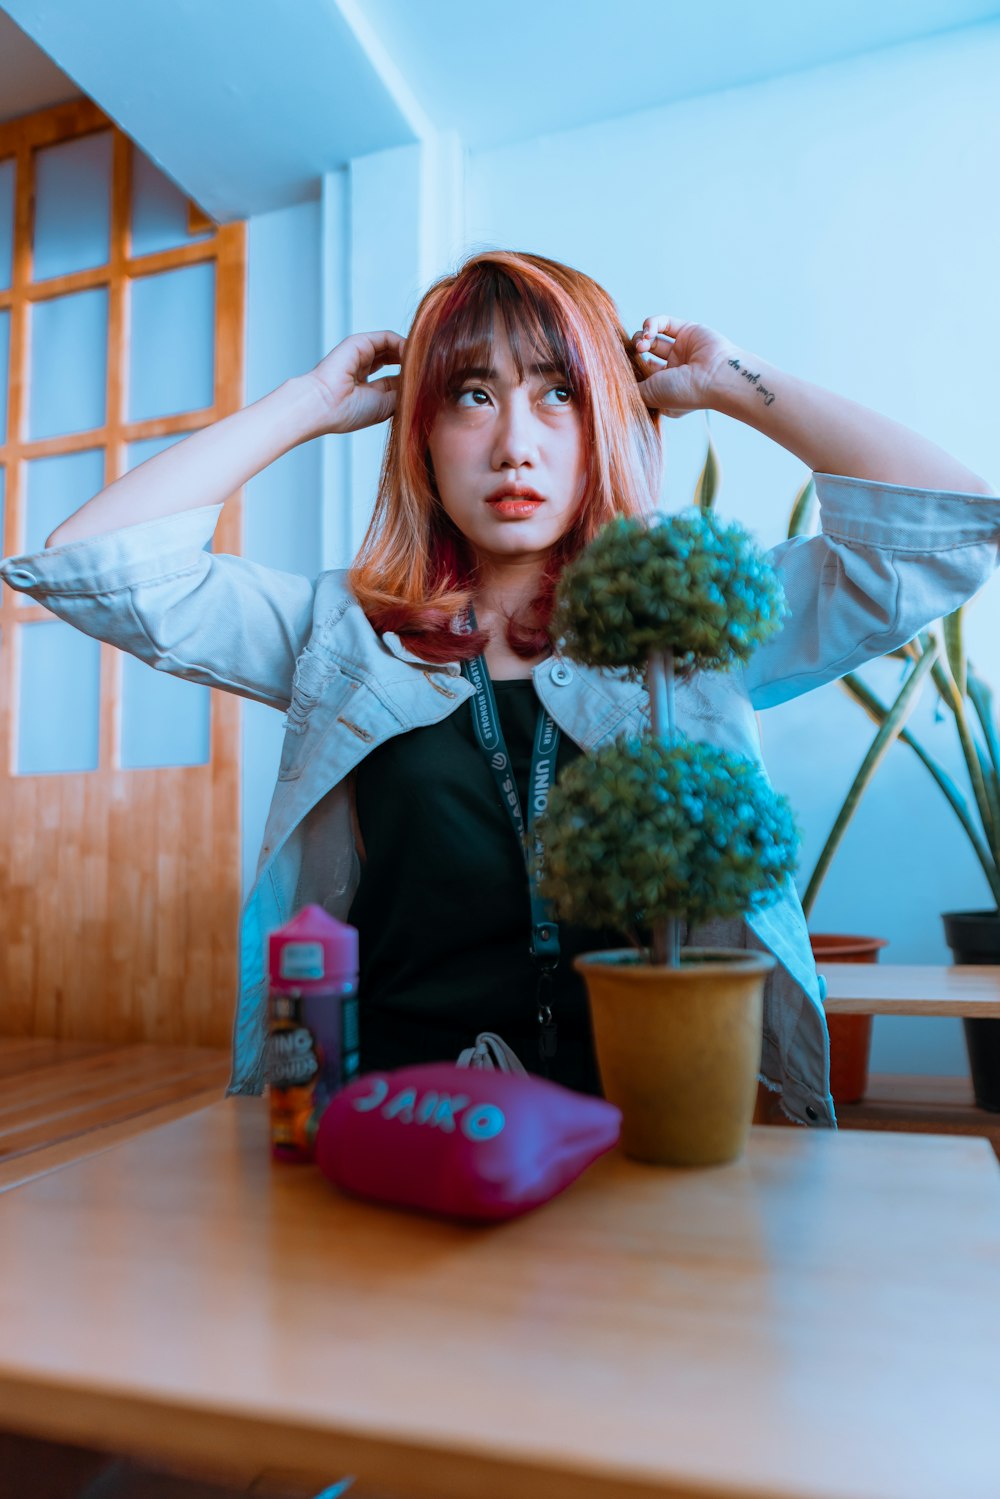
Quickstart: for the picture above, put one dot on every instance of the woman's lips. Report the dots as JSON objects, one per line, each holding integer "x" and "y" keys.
{"x": 515, "y": 501}
{"x": 515, "y": 509}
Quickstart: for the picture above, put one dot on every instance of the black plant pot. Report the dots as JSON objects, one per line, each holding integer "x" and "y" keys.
{"x": 974, "y": 937}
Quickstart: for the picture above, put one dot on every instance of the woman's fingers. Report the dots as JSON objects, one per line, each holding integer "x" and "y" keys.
{"x": 385, "y": 348}
{"x": 370, "y": 365}
{"x": 654, "y": 328}
{"x": 658, "y": 344}
{"x": 385, "y": 339}
{"x": 387, "y": 384}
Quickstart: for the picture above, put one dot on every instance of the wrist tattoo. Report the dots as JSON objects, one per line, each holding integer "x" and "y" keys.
{"x": 734, "y": 364}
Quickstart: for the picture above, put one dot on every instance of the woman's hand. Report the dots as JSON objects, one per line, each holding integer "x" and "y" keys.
{"x": 349, "y": 400}
{"x": 683, "y": 360}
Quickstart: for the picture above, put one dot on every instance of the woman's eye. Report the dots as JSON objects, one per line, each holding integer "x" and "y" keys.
{"x": 563, "y": 391}
{"x": 472, "y": 391}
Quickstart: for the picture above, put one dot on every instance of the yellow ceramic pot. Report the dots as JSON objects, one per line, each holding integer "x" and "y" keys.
{"x": 679, "y": 1049}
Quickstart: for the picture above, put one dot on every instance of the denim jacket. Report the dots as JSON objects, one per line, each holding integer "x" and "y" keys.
{"x": 888, "y": 561}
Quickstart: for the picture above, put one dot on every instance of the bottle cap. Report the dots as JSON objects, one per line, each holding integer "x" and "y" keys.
{"x": 312, "y": 952}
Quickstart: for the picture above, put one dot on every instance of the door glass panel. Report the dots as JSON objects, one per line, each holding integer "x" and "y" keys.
{"x": 165, "y": 721}
{"x": 4, "y": 362}
{"x": 171, "y": 352}
{"x": 54, "y": 488}
{"x": 6, "y": 222}
{"x": 60, "y": 697}
{"x": 69, "y": 363}
{"x": 72, "y": 206}
{"x": 159, "y": 209}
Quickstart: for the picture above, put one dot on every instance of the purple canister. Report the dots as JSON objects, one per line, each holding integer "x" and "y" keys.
{"x": 312, "y": 1045}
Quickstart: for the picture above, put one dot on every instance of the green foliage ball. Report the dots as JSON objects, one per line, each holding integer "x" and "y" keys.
{"x": 642, "y": 830}
{"x": 689, "y": 583}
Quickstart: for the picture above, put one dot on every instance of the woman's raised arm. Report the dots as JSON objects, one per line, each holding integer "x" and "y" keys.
{"x": 833, "y": 435}
{"x": 210, "y": 465}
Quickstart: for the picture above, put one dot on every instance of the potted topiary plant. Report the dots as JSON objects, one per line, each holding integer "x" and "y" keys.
{"x": 654, "y": 828}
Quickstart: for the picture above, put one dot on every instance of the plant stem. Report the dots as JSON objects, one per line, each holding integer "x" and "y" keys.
{"x": 660, "y": 685}
{"x": 666, "y": 945}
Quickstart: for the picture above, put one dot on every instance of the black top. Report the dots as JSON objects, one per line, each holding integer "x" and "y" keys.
{"x": 443, "y": 910}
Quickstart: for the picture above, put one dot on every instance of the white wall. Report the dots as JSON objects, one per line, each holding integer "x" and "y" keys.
{"x": 283, "y": 520}
{"x": 842, "y": 224}
{"x": 356, "y": 258}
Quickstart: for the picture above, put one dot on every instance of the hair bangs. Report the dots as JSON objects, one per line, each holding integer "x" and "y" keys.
{"x": 488, "y": 299}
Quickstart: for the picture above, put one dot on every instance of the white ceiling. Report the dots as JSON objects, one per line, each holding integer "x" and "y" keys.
{"x": 246, "y": 102}
{"x": 499, "y": 73}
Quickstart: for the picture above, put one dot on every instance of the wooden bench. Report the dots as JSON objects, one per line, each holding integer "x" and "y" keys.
{"x": 61, "y": 1100}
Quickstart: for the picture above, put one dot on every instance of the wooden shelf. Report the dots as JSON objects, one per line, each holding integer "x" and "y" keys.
{"x": 911, "y": 989}
{"x": 921, "y": 1105}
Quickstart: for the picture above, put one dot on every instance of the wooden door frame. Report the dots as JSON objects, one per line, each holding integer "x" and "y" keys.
{"x": 217, "y": 788}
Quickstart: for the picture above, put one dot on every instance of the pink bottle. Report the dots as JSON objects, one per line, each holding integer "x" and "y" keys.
{"x": 312, "y": 1047}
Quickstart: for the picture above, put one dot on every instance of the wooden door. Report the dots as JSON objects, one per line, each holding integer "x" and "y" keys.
{"x": 121, "y": 329}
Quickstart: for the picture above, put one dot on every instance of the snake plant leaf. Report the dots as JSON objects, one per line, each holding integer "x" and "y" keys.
{"x": 981, "y": 697}
{"x": 710, "y": 479}
{"x": 891, "y": 725}
{"x": 947, "y": 688}
{"x": 801, "y": 518}
{"x": 907, "y": 652}
{"x": 950, "y": 694}
{"x": 989, "y": 858}
{"x": 954, "y": 648}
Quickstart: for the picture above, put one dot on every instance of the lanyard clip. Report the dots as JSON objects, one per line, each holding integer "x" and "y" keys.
{"x": 545, "y": 944}
{"x": 548, "y": 1034}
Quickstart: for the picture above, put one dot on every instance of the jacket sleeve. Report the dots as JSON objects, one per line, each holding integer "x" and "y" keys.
{"x": 887, "y": 563}
{"x": 153, "y": 590}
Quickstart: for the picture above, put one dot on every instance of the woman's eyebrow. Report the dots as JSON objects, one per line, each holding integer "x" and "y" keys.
{"x": 480, "y": 372}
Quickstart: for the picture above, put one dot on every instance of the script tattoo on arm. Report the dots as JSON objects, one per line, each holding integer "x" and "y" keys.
{"x": 754, "y": 380}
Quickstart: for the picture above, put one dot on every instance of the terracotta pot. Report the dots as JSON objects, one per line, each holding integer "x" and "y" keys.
{"x": 850, "y": 1035}
{"x": 679, "y": 1049}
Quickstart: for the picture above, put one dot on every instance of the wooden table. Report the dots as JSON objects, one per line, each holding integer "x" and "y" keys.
{"x": 819, "y": 1320}
{"x": 912, "y": 989}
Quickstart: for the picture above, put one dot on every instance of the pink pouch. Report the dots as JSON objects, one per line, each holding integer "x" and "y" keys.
{"x": 461, "y": 1142}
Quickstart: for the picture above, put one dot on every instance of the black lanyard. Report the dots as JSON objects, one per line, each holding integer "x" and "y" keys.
{"x": 544, "y": 928}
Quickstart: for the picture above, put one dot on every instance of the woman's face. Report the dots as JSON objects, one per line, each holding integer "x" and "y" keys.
{"x": 492, "y": 434}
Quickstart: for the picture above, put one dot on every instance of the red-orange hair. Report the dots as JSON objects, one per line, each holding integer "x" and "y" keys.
{"x": 414, "y": 573}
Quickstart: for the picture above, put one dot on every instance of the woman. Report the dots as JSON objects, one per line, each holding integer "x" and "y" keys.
{"x": 522, "y": 419}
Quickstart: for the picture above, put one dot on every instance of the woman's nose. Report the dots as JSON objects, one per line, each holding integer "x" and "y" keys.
{"x": 515, "y": 439}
